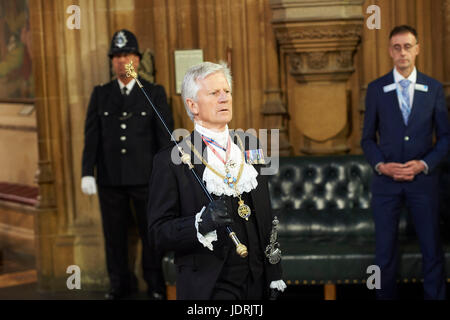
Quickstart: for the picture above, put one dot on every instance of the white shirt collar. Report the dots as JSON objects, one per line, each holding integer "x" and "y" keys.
{"x": 412, "y": 77}
{"x": 129, "y": 86}
{"x": 219, "y": 137}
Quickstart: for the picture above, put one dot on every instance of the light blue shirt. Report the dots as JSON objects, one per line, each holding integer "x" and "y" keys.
{"x": 412, "y": 78}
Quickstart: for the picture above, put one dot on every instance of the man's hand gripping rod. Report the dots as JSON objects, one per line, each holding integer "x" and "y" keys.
{"x": 241, "y": 249}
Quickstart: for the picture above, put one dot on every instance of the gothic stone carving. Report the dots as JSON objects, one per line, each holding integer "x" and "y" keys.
{"x": 300, "y": 33}
{"x": 318, "y": 65}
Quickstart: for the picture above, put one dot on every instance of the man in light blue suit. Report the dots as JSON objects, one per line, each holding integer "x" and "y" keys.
{"x": 404, "y": 108}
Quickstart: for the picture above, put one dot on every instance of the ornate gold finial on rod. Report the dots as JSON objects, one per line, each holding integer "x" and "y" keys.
{"x": 129, "y": 68}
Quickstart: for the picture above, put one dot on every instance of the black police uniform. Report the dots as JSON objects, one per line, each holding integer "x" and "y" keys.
{"x": 122, "y": 134}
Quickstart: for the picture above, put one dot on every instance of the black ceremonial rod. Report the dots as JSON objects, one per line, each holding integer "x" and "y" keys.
{"x": 241, "y": 249}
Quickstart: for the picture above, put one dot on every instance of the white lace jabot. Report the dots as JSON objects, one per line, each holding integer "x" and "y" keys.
{"x": 214, "y": 183}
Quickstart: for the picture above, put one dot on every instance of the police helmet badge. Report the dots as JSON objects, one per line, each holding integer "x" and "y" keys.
{"x": 121, "y": 40}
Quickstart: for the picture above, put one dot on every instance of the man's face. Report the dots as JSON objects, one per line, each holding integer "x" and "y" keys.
{"x": 213, "y": 106}
{"x": 120, "y": 60}
{"x": 403, "y": 50}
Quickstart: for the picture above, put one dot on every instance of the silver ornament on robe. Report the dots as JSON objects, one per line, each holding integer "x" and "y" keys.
{"x": 273, "y": 251}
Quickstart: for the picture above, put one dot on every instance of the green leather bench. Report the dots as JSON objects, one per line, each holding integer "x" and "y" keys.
{"x": 326, "y": 231}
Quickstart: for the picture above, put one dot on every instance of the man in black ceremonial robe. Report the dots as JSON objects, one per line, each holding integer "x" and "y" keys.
{"x": 181, "y": 218}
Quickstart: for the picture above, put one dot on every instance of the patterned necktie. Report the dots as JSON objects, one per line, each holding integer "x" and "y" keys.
{"x": 405, "y": 104}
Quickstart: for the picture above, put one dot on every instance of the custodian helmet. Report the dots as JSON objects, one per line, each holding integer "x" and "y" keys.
{"x": 124, "y": 41}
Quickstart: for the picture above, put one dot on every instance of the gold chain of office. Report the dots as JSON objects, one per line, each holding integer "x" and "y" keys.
{"x": 244, "y": 210}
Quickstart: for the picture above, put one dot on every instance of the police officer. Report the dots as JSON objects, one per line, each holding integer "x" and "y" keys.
{"x": 122, "y": 134}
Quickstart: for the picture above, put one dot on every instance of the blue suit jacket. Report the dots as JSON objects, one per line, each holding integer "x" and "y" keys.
{"x": 397, "y": 142}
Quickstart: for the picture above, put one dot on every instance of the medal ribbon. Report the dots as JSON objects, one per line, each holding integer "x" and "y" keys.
{"x": 213, "y": 142}
{"x": 209, "y": 141}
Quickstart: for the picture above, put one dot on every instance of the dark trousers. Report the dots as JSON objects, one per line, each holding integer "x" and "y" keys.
{"x": 116, "y": 208}
{"x": 424, "y": 211}
{"x": 238, "y": 283}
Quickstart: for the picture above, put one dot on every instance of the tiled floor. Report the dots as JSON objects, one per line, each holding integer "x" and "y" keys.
{"x": 30, "y": 292}
{"x": 18, "y": 282}
{"x": 310, "y": 293}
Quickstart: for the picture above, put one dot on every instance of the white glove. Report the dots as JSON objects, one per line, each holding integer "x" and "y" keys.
{"x": 88, "y": 185}
{"x": 207, "y": 239}
{"x": 279, "y": 285}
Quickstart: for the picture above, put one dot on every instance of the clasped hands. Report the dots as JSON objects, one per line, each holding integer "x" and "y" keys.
{"x": 402, "y": 171}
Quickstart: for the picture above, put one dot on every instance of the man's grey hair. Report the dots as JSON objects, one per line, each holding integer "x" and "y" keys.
{"x": 190, "y": 86}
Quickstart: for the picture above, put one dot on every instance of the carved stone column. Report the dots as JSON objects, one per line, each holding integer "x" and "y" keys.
{"x": 276, "y": 117}
{"x": 317, "y": 41}
{"x": 273, "y": 109}
{"x": 66, "y": 65}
